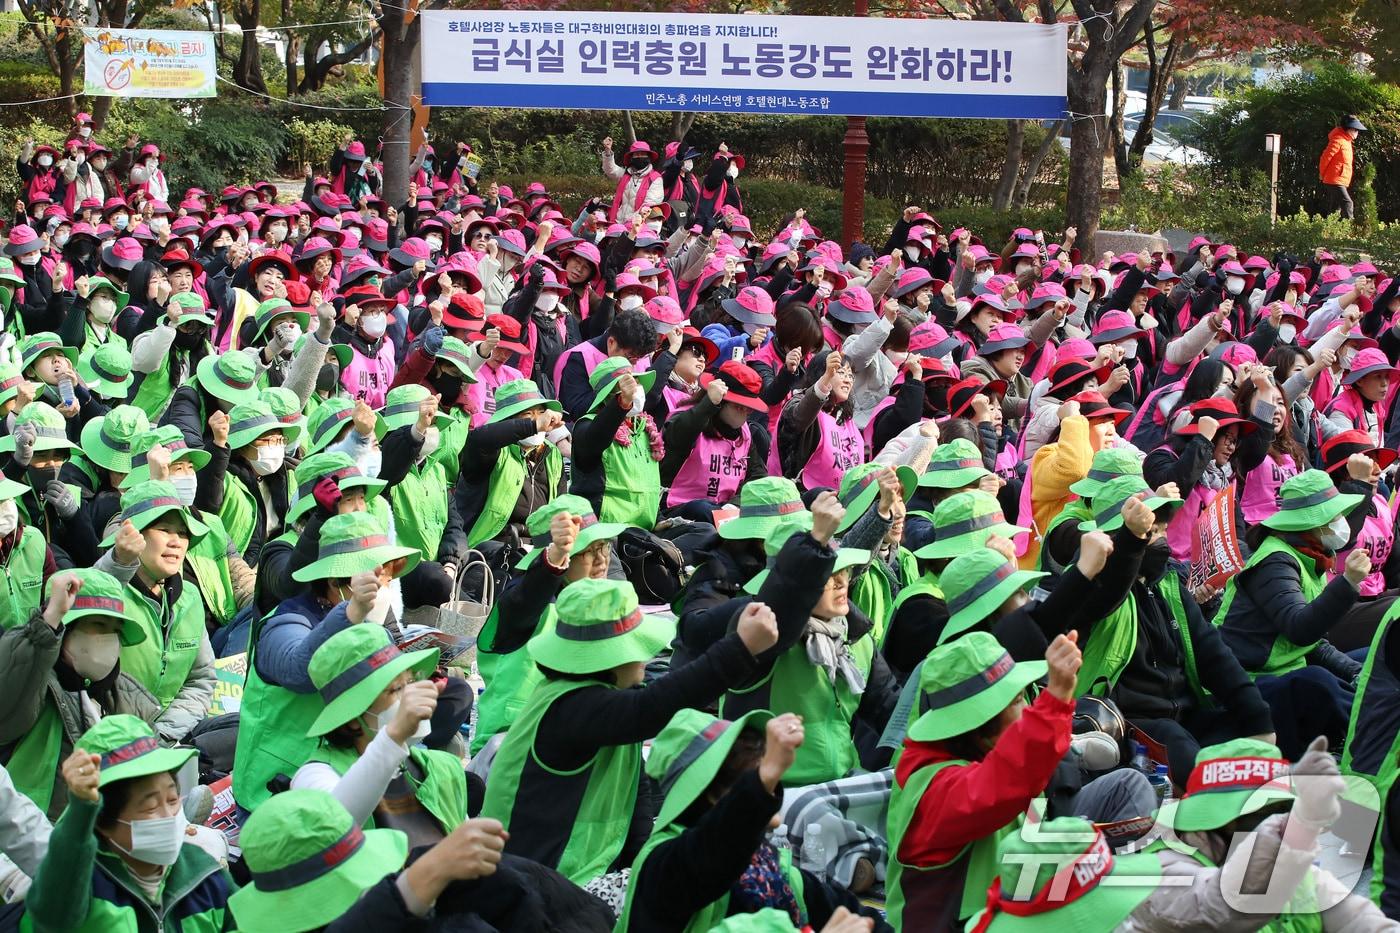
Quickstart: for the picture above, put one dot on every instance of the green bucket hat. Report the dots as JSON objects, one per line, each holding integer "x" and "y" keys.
{"x": 599, "y": 626}
{"x": 98, "y": 283}
{"x": 101, "y": 596}
{"x": 340, "y": 351}
{"x": 354, "y": 666}
{"x": 309, "y": 862}
{"x": 457, "y": 353}
{"x": 354, "y": 543}
{"x": 975, "y": 584}
{"x": 129, "y": 749}
{"x": 688, "y": 753}
{"x": 846, "y": 558}
{"x": 172, "y": 439}
{"x": 967, "y": 682}
{"x": 401, "y": 409}
{"x": 192, "y": 309}
{"x": 607, "y": 374}
{"x": 859, "y": 490}
{"x": 10, "y": 379}
{"x": 108, "y": 439}
{"x": 251, "y": 420}
{"x": 287, "y": 408}
{"x": 327, "y": 421}
{"x": 591, "y": 531}
{"x": 1107, "y": 504}
{"x": 107, "y": 371}
{"x": 1230, "y": 780}
{"x": 954, "y": 465}
{"x": 273, "y": 308}
{"x": 1310, "y": 500}
{"x": 763, "y": 505}
{"x": 8, "y": 275}
{"x": 9, "y": 489}
{"x": 964, "y": 521}
{"x": 519, "y": 395}
{"x": 36, "y": 345}
{"x": 143, "y": 503}
{"x": 1109, "y": 463}
{"x": 50, "y": 428}
{"x": 335, "y": 465}
{"x": 230, "y": 377}
{"x": 1053, "y": 878}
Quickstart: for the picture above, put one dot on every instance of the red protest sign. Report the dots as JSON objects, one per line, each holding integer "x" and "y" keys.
{"x": 1215, "y": 546}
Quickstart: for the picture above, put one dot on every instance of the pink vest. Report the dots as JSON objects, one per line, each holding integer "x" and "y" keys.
{"x": 714, "y": 470}
{"x": 639, "y": 199}
{"x": 675, "y": 397}
{"x": 592, "y": 356}
{"x": 840, "y": 448}
{"x": 1377, "y": 536}
{"x": 768, "y": 355}
{"x": 368, "y": 378}
{"x": 482, "y": 393}
{"x": 869, "y": 432}
{"x": 1261, "y": 487}
{"x": 1182, "y": 528}
{"x": 1349, "y": 403}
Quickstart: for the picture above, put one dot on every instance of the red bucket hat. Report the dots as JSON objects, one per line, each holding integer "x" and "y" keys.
{"x": 742, "y": 382}
{"x": 1222, "y": 410}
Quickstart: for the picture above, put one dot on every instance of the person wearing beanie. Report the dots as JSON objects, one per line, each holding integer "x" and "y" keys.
{"x": 1334, "y": 166}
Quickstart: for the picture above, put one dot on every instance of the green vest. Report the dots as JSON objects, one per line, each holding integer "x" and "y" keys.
{"x": 596, "y": 833}
{"x": 419, "y": 502}
{"x": 442, "y": 791}
{"x": 874, "y": 591}
{"x": 631, "y": 481}
{"x": 91, "y": 341}
{"x": 1373, "y": 715}
{"x": 239, "y": 513}
{"x": 1285, "y": 656}
{"x": 926, "y": 585}
{"x": 796, "y": 685}
{"x": 207, "y": 559}
{"x": 510, "y": 680}
{"x": 1076, "y": 512}
{"x": 451, "y": 440}
{"x": 155, "y": 390}
{"x": 272, "y": 725}
{"x": 980, "y": 855}
{"x": 38, "y": 756}
{"x": 163, "y": 661}
{"x": 507, "y": 480}
{"x": 24, "y": 579}
{"x": 1304, "y": 915}
{"x": 1114, "y": 639}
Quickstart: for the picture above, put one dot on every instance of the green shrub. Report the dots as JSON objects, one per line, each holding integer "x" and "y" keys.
{"x": 311, "y": 141}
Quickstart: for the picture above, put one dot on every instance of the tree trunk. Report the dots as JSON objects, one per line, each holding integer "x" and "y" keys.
{"x": 293, "y": 44}
{"x": 1159, "y": 72}
{"x": 67, "y": 67}
{"x": 1179, "y": 89}
{"x": 247, "y": 71}
{"x": 1023, "y": 187}
{"x": 400, "y": 53}
{"x": 1011, "y": 164}
{"x": 627, "y": 125}
{"x": 681, "y": 123}
{"x": 1088, "y": 137}
{"x": 1121, "y": 166}
{"x": 315, "y": 70}
{"x": 101, "y": 106}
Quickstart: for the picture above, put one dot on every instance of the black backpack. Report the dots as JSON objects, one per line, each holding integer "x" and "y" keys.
{"x": 654, "y": 566}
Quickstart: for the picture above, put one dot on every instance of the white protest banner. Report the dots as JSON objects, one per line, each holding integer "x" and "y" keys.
{"x": 743, "y": 64}
{"x": 148, "y": 63}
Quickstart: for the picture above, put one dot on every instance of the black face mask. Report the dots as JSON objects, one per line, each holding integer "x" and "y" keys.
{"x": 640, "y": 164}
{"x": 328, "y": 378}
{"x": 1155, "y": 559}
{"x": 448, "y": 386}
{"x": 186, "y": 341}
{"x": 40, "y": 477}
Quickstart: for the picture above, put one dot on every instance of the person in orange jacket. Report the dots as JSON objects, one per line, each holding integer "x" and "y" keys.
{"x": 1334, "y": 168}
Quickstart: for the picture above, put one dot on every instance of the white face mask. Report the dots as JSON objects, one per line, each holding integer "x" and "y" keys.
{"x": 1335, "y": 535}
{"x": 732, "y": 171}
{"x": 387, "y": 716}
{"x": 1022, "y": 268}
{"x": 30, "y": 259}
{"x": 982, "y": 276}
{"x": 157, "y": 841}
{"x": 913, "y": 252}
{"x": 655, "y": 227}
{"x": 45, "y": 161}
{"x": 151, "y": 164}
{"x": 434, "y": 242}
{"x": 534, "y": 440}
{"x": 1286, "y": 332}
{"x": 84, "y": 131}
{"x": 639, "y": 400}
{"x": 1234, "y": 285}
{"x": 1129, "y": 350}
{"x": 896, "y": 358}
{"x": 431, "y": 438}
{"x": 60, "y": 240}
{"x": 371, "y": 462}
{"x": 159, "y": 225}
{"x": 276, "y": 233}
{"x": 9, "y": 517}
{"x": 824, "y": 290}
{"x": 629, "y": 302}
{"x": 103, "y": 308}
{"x": 1344, "y": 357}
{"x": 374, "y": 325}
{"x": 269, "y": 459}
{"x": 92, "y": 656}
{"x": 740, "y": 242}
{"x": 120, "y": 221}
{"x": 185, "y": 486}
{"x": 547, "y": 301}
{"x": 687, "y": 165}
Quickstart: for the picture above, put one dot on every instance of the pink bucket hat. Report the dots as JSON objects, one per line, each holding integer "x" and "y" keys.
{"x": 752, "y": 305}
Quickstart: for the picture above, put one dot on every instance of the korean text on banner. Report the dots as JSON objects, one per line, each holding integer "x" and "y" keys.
{"x": 1215, "y": 546}
{"x": 743, "y": 64}
{"x": 148, "y": 63}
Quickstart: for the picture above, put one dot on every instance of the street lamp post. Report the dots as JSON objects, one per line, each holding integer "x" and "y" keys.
{"x": 856, "y": 145}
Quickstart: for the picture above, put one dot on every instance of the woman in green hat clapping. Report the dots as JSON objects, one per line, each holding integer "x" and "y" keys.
{"x": 565, "y": 780}
{"x": 167, "y": 357}
{"x": 119, "y": 857}
{"x": 39, "y": 446}
{"x": 61, "y": 667}
{"x": 175, "y": 662}
{"x": 617, "y": 447}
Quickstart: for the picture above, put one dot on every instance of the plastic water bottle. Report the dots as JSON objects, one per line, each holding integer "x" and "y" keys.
{"x": 1141, "y": 761}
{"x": 780, "y": 838}
{"x": 1163, "y": 784}
{"x": 814, "y": 851}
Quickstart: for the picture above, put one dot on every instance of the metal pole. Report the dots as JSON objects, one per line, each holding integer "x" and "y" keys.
{"x": 856, "y": 145}
{"x": 1273, "y": 143}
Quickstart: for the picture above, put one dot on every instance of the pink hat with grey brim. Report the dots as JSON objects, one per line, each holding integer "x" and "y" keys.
{"x": 665, "y": 313}
{"x": 1113, "y": 326}
{"x": 911, "y": 280}
{"x": 752, "y": 305}
{"x": 1003, "y": 337}
{"x": 855, "y": 306}
{"x": 23, "y": 240}
{"x": 626, "y": 280}
{"x": 1368, "y": 362}
{"x": 123, "y": 254}
{"x": 930, "y": 340}
{"x": 829, "y": 269}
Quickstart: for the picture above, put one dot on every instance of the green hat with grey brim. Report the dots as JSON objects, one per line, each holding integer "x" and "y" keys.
{"x": 954, "y": 465}
{"x": 287, "y": 407}
{"x": 50, "y": 428}
{"x": 401, "y": 409}
{"x": 964, "y": 521}
{"x": 36, "y": 345}
{"x": 342, "y": 353}
{"x": 966, "y": 683}
{"x": 599, "y": 626}
{"x": 107, "y": 371}
{"x": 975, "y": 584}
{"x": 1310, "y": 500}
{"x": 330, "y": 418}
{"x": 230, "y": 377}
{"x": 309, "y": 863}
{"x": 1107, "y": 504}
{"x": 846, "y": 558}
{"x": 517, "y": 396}
{"x": 1061, "y": 874}
{"x": 458, "y": 354}
{"x": 590, "y": 532}
{"x": 1109, "y": 463}
{"x": 108, "y": 439}
{"x": 129, "y": 749}
{"x": 354, "y": 666}
{"x": 145, "y": 503}
{"x": 1230, "y": 780}
{"x": 353, "y": 543}
{"x": 688, "y": 753}
{"x": 10, "y": 380}
{"x": 329, "y": 464}
{"x": 191, "y": 309}
{"x": 860, "y": 488}
{"x": 273, "y": 308}
{"x": 608, "y": 373}
{"x": 8, "y": 275}
{"x": 100, "y": 283}
{"x": 172, "y": 439}
{"x": 251, "y": 420}
{"x": 101, "y": 596}
{"x": 765, "y": 504}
